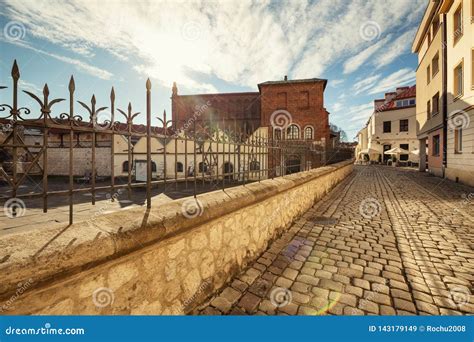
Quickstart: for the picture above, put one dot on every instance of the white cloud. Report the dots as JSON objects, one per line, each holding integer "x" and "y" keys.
{"x": 335, "y": 83}
{"x": 365, "y": 84}
{"x": 399, "y": 78}
{"x": 355, "y": 62}
{"x": 241, "y": 42}
{"x": 397, "y": 48}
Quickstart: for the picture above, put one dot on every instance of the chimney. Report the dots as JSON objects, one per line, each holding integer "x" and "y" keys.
{"x": 390, "y": 96}
{"x": 378, "y": 103}
{"x": 174, "y": 89}
{"x": 401, "y": 89}
{"x": 286, "y": 78}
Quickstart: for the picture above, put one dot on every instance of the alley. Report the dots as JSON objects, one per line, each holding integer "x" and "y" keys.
{"x": 385, "y": 241}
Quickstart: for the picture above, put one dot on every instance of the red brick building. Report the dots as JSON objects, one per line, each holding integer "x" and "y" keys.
{"x": 292, "y": 109}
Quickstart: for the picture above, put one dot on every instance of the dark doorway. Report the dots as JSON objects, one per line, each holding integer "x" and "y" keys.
{"x": 386, "y": 156}
{"x": 293, "y": 165}
{"x": 228, "y": 170}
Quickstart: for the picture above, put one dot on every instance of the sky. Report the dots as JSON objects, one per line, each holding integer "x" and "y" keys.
{"x": 363, "y": 48}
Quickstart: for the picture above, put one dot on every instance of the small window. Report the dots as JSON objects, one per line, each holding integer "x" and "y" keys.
{"x": 153, "y": 166}
{"x": 458, "y": 27}
{"x": 387, "y": 126}
{"x": 435, "y": 101}
{"x": 399, "y": 103}
{"x": 458, "y": 140}
{"x": 435, "y": 25}
{"x": 179, "y": 167}
{"x": 428, "y": 74}
{"x": 125, "y": 166}
{"x": 304, "y": 100}
{"x": 412, "y": 102}
{"x": 435, "y": 151}
{"x": 281, "y": 100}
{"x": 277, "y": 134}
{"x": 458, "y": 80}
{"x": 428, "y": 109}
{"x": 308, "y": 133}
{"x": 293, "y": 132}
{"x": 435, "y": 64}
{"x": 404, "y": 125}
{"x": 202, "y": 167}
{"x": 254, "y": 165}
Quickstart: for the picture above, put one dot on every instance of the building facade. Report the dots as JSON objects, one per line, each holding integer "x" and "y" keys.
{"x": 444, "y": 44}
{"x": 391, "y": 125}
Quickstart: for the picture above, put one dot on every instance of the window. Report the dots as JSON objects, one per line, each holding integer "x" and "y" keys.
{"x": 153, "y": 166}
{"x": 277, "y": 134}
{"x": 308, "y": 133}
{"x": 304, "y": 100}
{"x": 458, "y": 140}
{"x": 435, "y": 64}
{"x": 435, "y": 151}
{"x": 125, "y": 166}
{"x": 472, "y": 66}
{"x": 458, "y": 80}
{"x": 399, "y": 103}
{"x": 179, "y": 167}
{"x": 404, "y": 125}
{"x": 254, "y": 165}
{"x": 457, "y": 20}
{"x": 293, "y": 132}
{"x": 412, "y": 102}
{"x": 435, "y": 101}
{"x": 428, "y": 74}
{"x": 405, "y": 147}
{"x": 387, "y": 126}
{"x": 428, "y": 109}
{"x": 435, "y": 25}
{"x": 281, "y": 100}
{"x": 202, "y": 167}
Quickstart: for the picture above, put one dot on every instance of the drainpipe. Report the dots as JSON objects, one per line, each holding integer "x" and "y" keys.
{"x": 445, "y": 95}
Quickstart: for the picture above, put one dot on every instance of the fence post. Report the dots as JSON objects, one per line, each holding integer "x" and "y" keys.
{"x": 148, "y": 144}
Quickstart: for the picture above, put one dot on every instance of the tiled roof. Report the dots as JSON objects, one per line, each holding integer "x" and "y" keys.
{"x": 407, "y": 94}
{"x": 305, "y": 80}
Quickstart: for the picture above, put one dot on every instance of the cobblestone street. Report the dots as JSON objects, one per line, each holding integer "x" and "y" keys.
{"x": 386, "y": 241}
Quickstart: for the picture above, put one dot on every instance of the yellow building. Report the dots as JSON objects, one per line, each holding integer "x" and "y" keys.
{"x": 445, "y": 78}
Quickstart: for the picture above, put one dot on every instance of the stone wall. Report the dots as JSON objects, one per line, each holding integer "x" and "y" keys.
{"x": 160, "y": 261}
{"x": 58, "y": 161}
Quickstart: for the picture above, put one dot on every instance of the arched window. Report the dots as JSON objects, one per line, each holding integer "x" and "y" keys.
{"x": 153, "y": 166}
{"x": 179, "y": 167}
{"x": 293, "y": 132}
{"x": 308, "y": 133}
{"x": 125, "y": 166}
{"x": 254, "y": 165}
{"x": 277, "y": 134}
{"x": 202, "y": 167}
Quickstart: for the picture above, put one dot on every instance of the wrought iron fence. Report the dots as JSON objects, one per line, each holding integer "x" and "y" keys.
{"x": 109, "y": 154}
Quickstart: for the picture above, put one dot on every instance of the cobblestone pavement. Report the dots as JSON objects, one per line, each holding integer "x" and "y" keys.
{"x": 385, "y": 241}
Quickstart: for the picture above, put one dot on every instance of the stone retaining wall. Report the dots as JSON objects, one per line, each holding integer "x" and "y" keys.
{"x": 156, "y": 261}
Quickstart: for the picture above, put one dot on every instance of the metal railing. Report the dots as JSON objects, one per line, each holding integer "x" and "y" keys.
{"x": 216, "y": 154}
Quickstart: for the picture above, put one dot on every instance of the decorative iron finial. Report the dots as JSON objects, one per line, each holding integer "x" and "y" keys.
{"x": 148, "y": 84}
{"x": 130, "y": 107}
{"x": 46, "y": 90}
{"x": 112, "y": 95}
{"x": 93, "y": 100}
{"x": 15, "y": 71}
{"x": 72, "y": 85}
